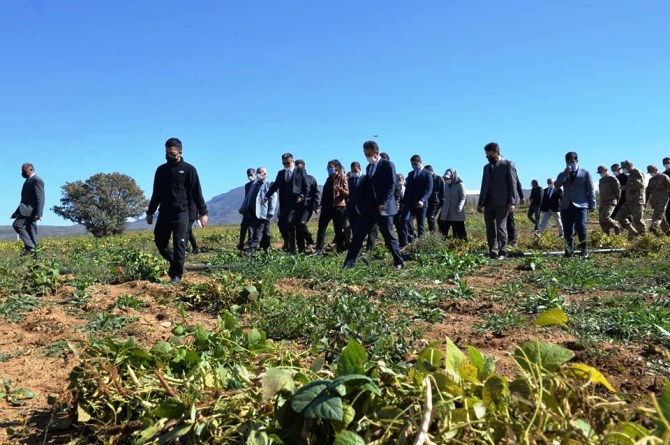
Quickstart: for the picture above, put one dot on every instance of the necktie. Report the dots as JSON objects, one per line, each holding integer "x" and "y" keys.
{"x": 373, "y": 168}
{"x": 288, "y": 175}
{"x": 551, "y": 191}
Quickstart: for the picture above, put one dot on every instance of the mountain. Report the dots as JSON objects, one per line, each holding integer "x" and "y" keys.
{"x": 223, "y": 209}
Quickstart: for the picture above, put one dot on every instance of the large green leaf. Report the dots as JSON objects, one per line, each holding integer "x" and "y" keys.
{"x": 348, "y": 438}
{"x": 430, "y": 360}
{"x": 454, "y": 356}
{"x": 276, "y": 380}
{"x": 318, "y": 400}
{"x": 552, "y": 317}
{"x": 547, "y": 355}
{"x": 352, "y": 359}
{"x": 19, "y": 396}
{"x": 495, "y": 391}
{"x": 664, "y": 402}
{"x": 170, "y": 409}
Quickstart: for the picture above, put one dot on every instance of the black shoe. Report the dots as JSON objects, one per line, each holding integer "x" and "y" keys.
{"x": 568, "y": 253}
{"x": 174, "y": 281}
{"x": 319, "y": 252}
{"x": 348, "y": 265}
{"x": 493, "y": 255}
{"x": 399, "y": 266}
{"x": 195, "y": 252}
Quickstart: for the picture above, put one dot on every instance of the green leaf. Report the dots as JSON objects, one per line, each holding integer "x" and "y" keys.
{"x": 348, "y": 438}
{"x": 547, "y": 355}
{"x": 352, "y": 359}
{"x": 254, "y": 337}
{"x": 173, "y": 434}
{"x": 318, "y": 400}
{"x": 495, "y": 391}
{"x": 430, "y": 360}
{"x": 276, "y": 380}
{"x": 250, "y": 292}
{"x": 454, "y": 356}
{"x": 19, "y": 396}
{"x": 584, "y": 426}
{"x": 632, "y": 430}
{"x": 552, "y": 317}
{"x": 664, "y": 402}
{"x": 169, "y": 409}
{"x": 257, "y": 438}
{"x": 586, "y": 372}
{"x": 476, "y": 359}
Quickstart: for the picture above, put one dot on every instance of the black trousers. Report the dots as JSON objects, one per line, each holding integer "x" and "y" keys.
{"x": 175, "y": 225}
{"x": 534, "y": 215}
{"x": 245, "y": 231}
{"x": 286, "y": 221}
{"x": 191, "y": 237}
{"x": 431, "y": 215}
{"x": 26, "y": 228}
{"x": 458, "y": 228}
{"x": 363, "y": 226}
{"x": 511, "y": 228}
{"x": 408, "y": 235}
{"x": 353, "y": 216}
{"x": 303, "y": 237}
{"x": 338, "y": 215}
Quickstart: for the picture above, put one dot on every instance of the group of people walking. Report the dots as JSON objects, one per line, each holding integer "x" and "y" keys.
{"x": 361, "y": 205}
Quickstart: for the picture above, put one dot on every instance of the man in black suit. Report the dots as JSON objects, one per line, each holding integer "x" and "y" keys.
{"x": 245, "y": 225}
{"x": 497, "y": 198}
{"x": 356, "y": 182}
{"x": 418, "y": 188}
{"x": 435, "y": 200}
{"x": 378, "y": 205}
{"x": 535, "y": 201}
{"x": 305, "y": 209}
{"x": 292, "y": 188}
{"x": 30, "y": 209}
{"x": 551, "y": 206}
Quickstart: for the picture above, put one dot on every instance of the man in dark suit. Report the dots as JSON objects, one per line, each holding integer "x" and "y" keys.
{"x": 497, "y": 198}
{"x": 30, "y": 209}
{"x": 435, "y": 199}
{"x": 305, "y": 209}
{"x": 535, "y": 201}
{"x": 245, "y": 225}
{"x": 378, "y": 205}
{"x": 292, "y": 188}
{"x": 418, "y": 188}
{"x": 579, "y": 198}
{"x": 551, "y": 206}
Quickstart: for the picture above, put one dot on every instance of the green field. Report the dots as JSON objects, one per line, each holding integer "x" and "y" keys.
{"x": 455, "y": 348}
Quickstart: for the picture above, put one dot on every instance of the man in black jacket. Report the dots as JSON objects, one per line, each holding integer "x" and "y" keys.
{"x": 418, "y": 188}
{"x": 292, "y": 188}
{"x": 176, "y": 184}
{"x": 30, "y": 209}
{"x": 435, "y": 199}
{"x": 535, "y": 201}
{"x": 245, "y": 224}
{"x": 551, "y": 206}
{"x": 305, "y": 209}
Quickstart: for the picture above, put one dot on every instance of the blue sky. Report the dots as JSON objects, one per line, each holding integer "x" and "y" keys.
{"x": 92, "y": 87}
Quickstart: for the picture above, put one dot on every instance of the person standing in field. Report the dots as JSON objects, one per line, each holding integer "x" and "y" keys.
{"x": 260, "y": 212}
{"x": 176, "y": 184}
{"x": 434, "y": 201}
{"x": 658, "y": 191}
{"x": 304, "y": 210}
{"x": 609, "y": 191}
{"x": 452, "y": 214}
{"x": 333, "y": 206}
{"x": 418, "y": 189}
{"x": 30, "y": 209}
{"x": 498, "y": 197}
{"x": 535, "y": 202}
{"x": 551, "y": 206}
{"x": 630, "y": 215}
{"x": 245, "y": 229}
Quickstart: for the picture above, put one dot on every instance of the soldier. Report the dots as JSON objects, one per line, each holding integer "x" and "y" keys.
{"x": 609, "y": 191}
{"x": 633, "y": 207}
{"x": 657, "y": 194}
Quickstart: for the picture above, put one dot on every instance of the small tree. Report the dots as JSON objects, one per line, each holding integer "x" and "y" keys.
{"x": 103, "y": 203}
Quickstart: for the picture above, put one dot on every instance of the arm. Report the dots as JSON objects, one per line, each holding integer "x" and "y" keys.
{"x": 39, "y": 199}
{"x": 519, "y": 190}
{"x": 590, "y": 192}
{"x": 482, "y": 190}
{"x": 512, "y": 182}
{"x": 389, "y": 182}
{"x": 275, "y": 185}
{"x": 462, "y": 195}
{"x": 272, "y": 203}
{"x": 560, "y": 180}
{"x": 197, "y": 198}
{"x": 429, "y": 188}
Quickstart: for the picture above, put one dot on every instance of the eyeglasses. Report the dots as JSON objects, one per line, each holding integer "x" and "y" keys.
{"x": 286, "y": 163}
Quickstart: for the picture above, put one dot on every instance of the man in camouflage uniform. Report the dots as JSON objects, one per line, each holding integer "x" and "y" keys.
{"x": 634, "y": 205}
{"x": 658, "y": 191}
{"x": 609, "y": 191}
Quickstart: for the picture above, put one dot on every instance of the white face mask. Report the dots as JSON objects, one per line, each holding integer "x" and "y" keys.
{"x": 370, "y": 159}
{"x": 666, "y": 166}
{"x": 653, "y": 174}
{"x": 251, "y": 177}
{"x": 602, "y": 175}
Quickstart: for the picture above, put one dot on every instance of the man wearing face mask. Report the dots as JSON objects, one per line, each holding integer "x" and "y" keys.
{"x": 260, "y": 212}
{"x": 245, "y": 228}
{"x": 497, "y": 199}
{"x": 579, "y": 198}
{"x": 418, "y": 188}
{"x": 435, "y": 200}
{"x": 609, "y": 191}
{"x": 551, "y": 206}
{"x": 176, "y": 184}
{"x": 292, "y": 189}
{"x": 621, "y": 176}
{"x": 378, "y": 205}
{"x": 666, "y": 166}
{"x": 356, "y": 182}
{"x": 304, "y": 210}
{"x": 535, "y": 201}
{"x": 632, "y": 211}
{"x": 333, "y": 206}
{"x": 30, "y": 208}
{"x": 657, "y": 194}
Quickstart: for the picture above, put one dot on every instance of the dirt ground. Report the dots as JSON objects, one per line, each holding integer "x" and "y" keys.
{"x": 47, "y": 376}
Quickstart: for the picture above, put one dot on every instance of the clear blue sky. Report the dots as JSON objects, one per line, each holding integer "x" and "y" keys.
{"x": 92, "y": 87}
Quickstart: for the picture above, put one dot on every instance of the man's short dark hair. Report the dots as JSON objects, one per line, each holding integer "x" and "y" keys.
{"x": 29, "y": 166}
{"x": 355, "y": 164}
{"x": 286, "y": 156}
{"x": 571, "y": 155}
{"x": 371, "y": 145}
{"x": 429, "y": 168}
{"x": 173, "y": 143}
{"x": 492, "y": 146}
{"x": 666, "y": 160}
{"x": 385, "y": 156}
{"x": 615, "y": 167}
{"x": 300, "y": 162}
{"x": 534, "y": 182}
{"x": 250, "y": 171}
{"x": 415, "y": 158}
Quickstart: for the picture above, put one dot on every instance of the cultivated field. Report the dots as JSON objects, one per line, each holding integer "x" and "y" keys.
{"x": 455, "y": 348}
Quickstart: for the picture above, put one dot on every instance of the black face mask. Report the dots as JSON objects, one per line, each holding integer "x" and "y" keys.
{"x": 24, "y": 174}
{"x": 172, "y": 159}
{"x": 491, "y": 159}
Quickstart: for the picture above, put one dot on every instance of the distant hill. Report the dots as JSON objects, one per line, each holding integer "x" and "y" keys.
{"x": 223, "y": 209}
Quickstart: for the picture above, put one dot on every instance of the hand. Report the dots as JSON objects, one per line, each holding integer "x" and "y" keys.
{"x": 203, "y": 220}
{"x": 419, "y": 205}
{"x": 382, "y": 208}
{"x": 522, "y": 201}
{"x": 316, "y": 211}
{"x": 567, "y": 170}
{"x": 150, "y": 219}
{"x": 511, "y": 208}
{"x": 300, "y": 199}
{"x": 479, "y": 209}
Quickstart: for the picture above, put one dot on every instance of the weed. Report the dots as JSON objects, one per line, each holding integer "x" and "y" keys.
{"x": 548, "y": 299}
{"x": 56, "y": 349}
{"x": 462, "y": 291}
{"x": 42, "y": 277}
{"x": 499, "y": 323}
{"x": 15, "y": 307}
{"x": 106, "y": 322}
{"x": 6, "y": 356}
{"x": 129, "y": 301}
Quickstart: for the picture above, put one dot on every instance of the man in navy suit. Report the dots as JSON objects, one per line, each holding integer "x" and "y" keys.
{"x": 551, "y": 206}
{"x": 378, "y": 205}
{"x": 418, "y": 188}
{"x": 30, "y": 209}
{"x": 245, "y": 225}
{"x": 292, "y": 188}
{"x": 578, "y": 199}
